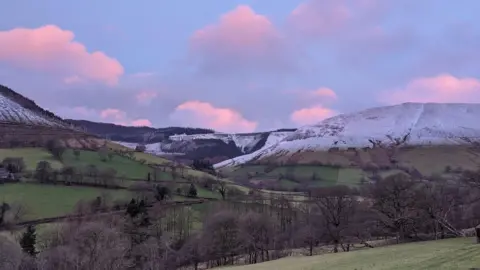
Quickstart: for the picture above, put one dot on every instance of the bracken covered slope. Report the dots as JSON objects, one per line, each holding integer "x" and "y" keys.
{"x": 24, "y": 123}
{"x": 407, "y": 124}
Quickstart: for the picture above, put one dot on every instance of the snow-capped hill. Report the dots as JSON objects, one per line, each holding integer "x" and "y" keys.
{"x": 245, "y": 142}
{"x": 273, "y": 138}
{"x": 208, "y": 145}
{"x": 13, "y": 112}
{"x": 398, "y": 125}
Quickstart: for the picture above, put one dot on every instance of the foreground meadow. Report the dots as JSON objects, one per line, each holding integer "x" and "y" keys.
{"x": 458, "y": 253}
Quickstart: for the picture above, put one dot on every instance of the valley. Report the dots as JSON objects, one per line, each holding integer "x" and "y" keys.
{"x": 215, "y": 199}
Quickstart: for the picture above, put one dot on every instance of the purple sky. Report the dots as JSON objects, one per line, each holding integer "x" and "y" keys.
{"x": 237, "y": 66}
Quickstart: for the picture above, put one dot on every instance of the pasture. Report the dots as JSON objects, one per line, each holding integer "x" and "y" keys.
{"x": 296, "y": 175}
{"x": 451, "y": 254}
{"x": 42, "y": 201}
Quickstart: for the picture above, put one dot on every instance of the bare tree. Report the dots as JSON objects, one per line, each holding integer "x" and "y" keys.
{"x": 394, "y": 201}
{"x": 10, "y": 253}
{"x": 221, "y": 237}
{"x": 91, "y": 246}
{"x": 337, "y": 206}
{"x": 257, "y": 233}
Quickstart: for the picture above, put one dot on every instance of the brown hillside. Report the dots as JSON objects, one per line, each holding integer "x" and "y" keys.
{"x": 426, "y": 159}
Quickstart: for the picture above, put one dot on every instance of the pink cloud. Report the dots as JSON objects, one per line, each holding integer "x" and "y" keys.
{"x": 324, "y": 92}
{"x": 311, "y": 115}
{"x": 146, "y": 96}
{"x": 443, "y": 88}
{"x": 113, "y": 114}
{"x": 141, "y": 123}
{"x": 241, "y": 38}
{"x": 52, "y": 49}
{"x": 322, "y": 95}
{"x": 319, "y": 18}
{"x": 197, "y": 113}
{"x": 352, "y": 26}
{"x": 119, "y": 117}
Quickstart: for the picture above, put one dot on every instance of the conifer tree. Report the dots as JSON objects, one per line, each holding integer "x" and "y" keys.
{"x": 28, "y": 240}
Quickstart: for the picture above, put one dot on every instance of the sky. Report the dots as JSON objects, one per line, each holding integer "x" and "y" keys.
{"x": 237, "y": 66}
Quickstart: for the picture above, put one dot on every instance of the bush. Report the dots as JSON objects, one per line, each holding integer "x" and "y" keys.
{"x": 14, "y": 165}
{"x": 192, "y": 191}
{"x": 103, "y": 154}
{"x": 140, "y": 148}
{"x": 43, "y": 172}
{"x": 56, "y": 148}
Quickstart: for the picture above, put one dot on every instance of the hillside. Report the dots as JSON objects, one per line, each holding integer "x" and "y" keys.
{"x": 24, "y": 123}
{"x": 135, "y": 134}
{"x": 190, "y": 143}
{"x": 423, "y": 139}
{"x": 449, "y": 254}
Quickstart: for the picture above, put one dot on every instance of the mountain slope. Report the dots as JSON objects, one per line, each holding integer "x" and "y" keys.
{"x": 191, "y": 143}
{"x": 381, "y": 129}
{"x": 15, "y": 108}
{"x": 24, "y": 123}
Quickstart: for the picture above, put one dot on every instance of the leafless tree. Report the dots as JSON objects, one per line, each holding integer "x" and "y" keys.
{"x": 395, "y": 204}
{"x": 91, "y": 246}
{"x": 337, "y": 206}
{"x": 10, "y": 253}
{"x": 221, "y": 238}
{"x": 439, "y": 201}
{"x": 257, "y": 232}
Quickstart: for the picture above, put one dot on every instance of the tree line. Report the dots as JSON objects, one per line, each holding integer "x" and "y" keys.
{"x": 258, "y": 228}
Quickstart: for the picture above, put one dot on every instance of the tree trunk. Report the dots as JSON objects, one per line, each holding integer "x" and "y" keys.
{"x": 477, "y": 232}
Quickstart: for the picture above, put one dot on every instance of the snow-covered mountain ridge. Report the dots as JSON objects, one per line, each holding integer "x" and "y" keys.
{"x": 12, "y": 112}
{"x": 244, "y": 142}
{"x": 398, "y": 125}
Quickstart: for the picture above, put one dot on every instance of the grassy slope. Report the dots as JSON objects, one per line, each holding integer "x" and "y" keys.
{"x": 324, "y": 175}
{"x": 460, "y": 253}
{"x": 427, "y": 160}
{"x": 124, "y": 166}
{"x": 31, "y": 156}
{"x": 47, "y": 201}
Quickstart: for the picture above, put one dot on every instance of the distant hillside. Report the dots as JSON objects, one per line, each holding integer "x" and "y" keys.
{"x": 192, "y": 143}
{"x": 135, "y": 134}
{"x": 26, "y": 103}
{"x": 24, "y": 123}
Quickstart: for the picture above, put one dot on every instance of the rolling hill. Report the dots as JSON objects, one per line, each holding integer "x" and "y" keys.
{"x": 24, "y": 123}
{"x": 188, "y": 143}
{"x": 423, "y": 139}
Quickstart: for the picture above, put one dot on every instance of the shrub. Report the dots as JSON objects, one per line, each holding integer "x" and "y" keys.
{"x": 13, "y": 164}
{"x": 140, "y": 148}
{"x": 56, "y": 148}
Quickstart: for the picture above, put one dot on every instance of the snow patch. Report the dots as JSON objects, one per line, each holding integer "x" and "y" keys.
{"x": 11, "y": 111}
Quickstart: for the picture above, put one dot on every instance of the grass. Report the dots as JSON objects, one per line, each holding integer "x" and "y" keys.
{"x": 48, "y": 201}
{"x": 459, "y": 253}
{"x": 124, "y": 166}
{"x": 31, "y": 156}
{"x": 313, "y": 175}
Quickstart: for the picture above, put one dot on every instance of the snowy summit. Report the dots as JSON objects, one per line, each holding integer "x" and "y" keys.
{"x": 12, "y": 112}
{"x": 398, "y": 125}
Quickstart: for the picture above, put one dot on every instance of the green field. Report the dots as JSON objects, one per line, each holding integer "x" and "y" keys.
{"x": 125, "y": 167}
{"x": 451, "y": 254}
{"x": 31, "y": 156}
{"x": 48, "y": 201}
{"x": 293, "y": 176}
